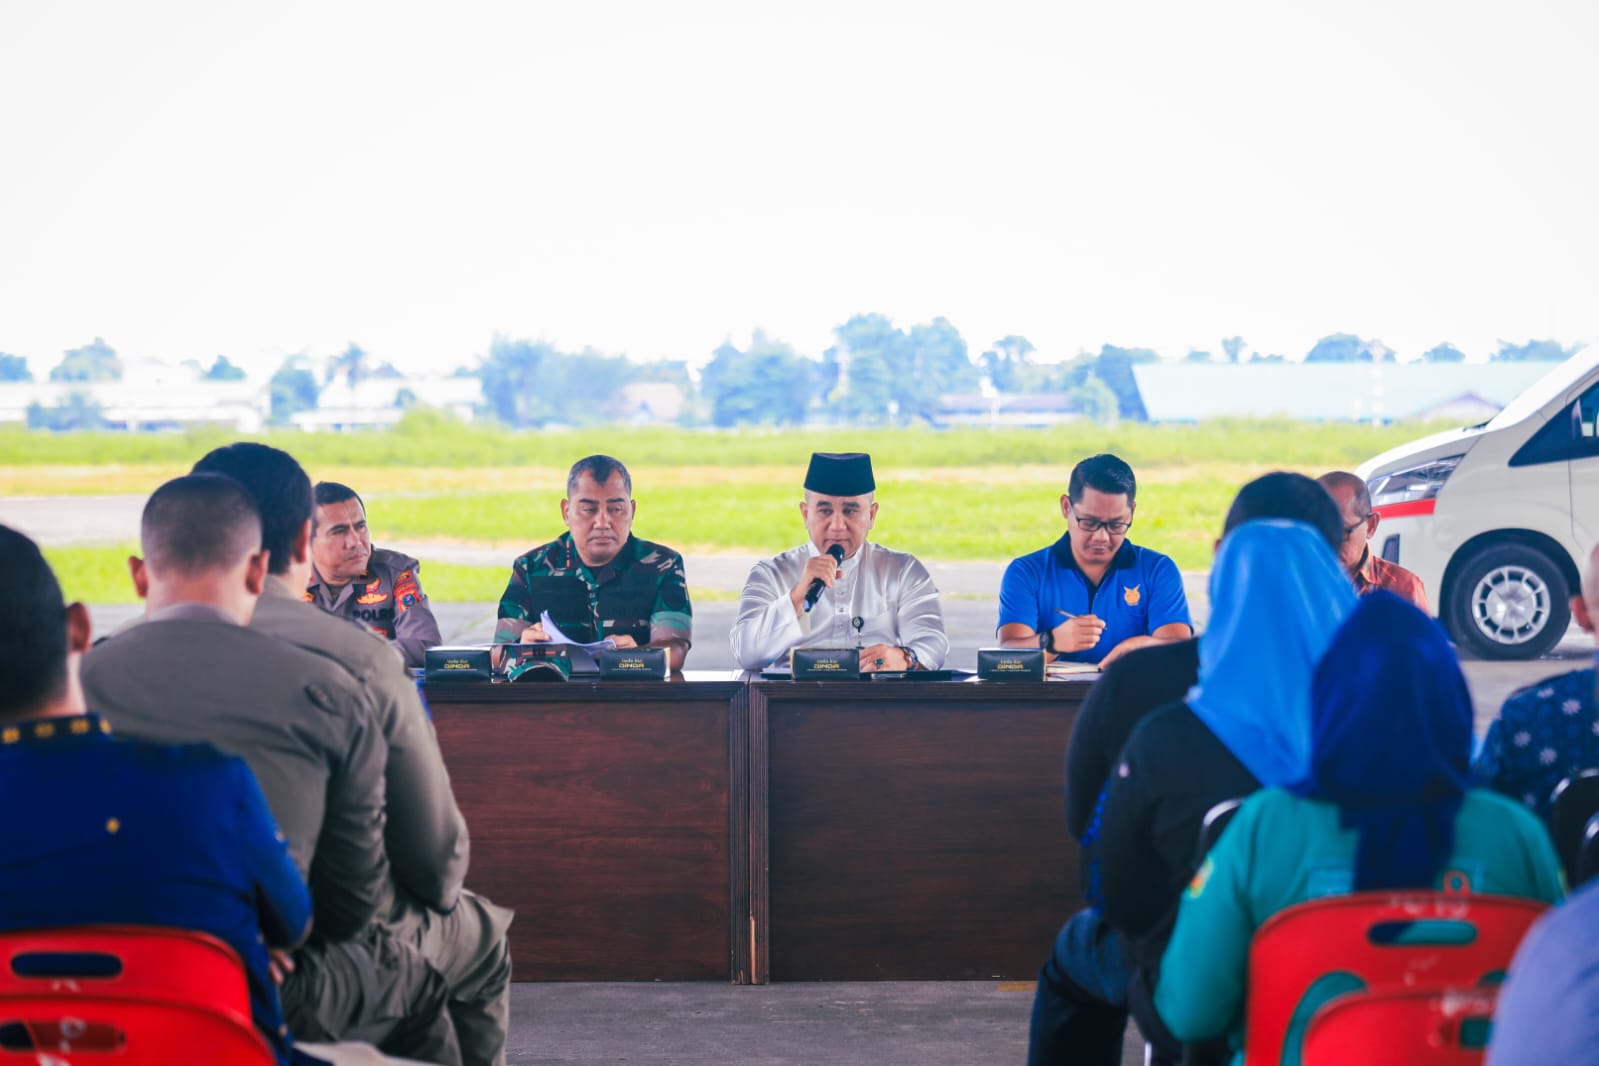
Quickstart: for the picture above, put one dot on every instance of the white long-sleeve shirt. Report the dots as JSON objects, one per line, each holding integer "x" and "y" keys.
{"x": 891, "y": 592}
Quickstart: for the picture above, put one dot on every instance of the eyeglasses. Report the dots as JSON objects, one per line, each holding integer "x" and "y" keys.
{"x": 1094, "y": 525}
{"x": 1349, "y": 530}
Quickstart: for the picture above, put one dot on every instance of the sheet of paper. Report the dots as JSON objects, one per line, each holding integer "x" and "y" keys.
{"x": 553, "y": 631}
{"x": 1059, "y": 669}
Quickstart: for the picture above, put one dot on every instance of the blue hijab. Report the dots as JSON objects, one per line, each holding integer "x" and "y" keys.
{"x": 1277, "y": 594}
{"x": 1392, "y": 747}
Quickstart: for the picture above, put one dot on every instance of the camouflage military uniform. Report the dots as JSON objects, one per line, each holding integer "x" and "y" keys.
{"x": 387, "y": 599}
{"x": 641, "y": 593}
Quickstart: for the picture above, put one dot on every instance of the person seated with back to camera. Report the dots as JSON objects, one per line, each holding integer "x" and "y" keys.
{"x": 429, "y": 930}
{"x": 1548, "y": 731}
{"x": 122, "y": 831}
{"x": 1276, "y": 597}
{"x": 1149, "y": 678}
{"x": 1386, "y": 805}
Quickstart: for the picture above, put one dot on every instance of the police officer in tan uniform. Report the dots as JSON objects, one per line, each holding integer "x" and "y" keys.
{"x": 374, "y": 587}
{"x": 310, "y": 730}
{"x": 428, "y": 913}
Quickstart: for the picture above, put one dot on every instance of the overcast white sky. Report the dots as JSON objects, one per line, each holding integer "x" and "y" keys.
{"x": 187, "y": 179}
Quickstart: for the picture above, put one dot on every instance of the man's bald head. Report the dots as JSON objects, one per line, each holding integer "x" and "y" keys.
{"x": 199, "y": 524}
{"x": 1342, "y": 484}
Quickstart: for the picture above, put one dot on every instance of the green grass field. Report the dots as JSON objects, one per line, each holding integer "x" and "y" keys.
{"x": 958, "y": 494}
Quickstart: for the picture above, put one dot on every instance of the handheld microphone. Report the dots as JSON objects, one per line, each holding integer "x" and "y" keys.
{"x": 814, "y": 593}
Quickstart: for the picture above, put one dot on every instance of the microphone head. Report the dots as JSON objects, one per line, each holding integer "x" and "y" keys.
{"x": 836, "y": 551}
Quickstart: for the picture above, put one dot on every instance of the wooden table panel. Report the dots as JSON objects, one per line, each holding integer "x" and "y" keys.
{"x": 915, "y": 831}
{"x": 603, "y": 815}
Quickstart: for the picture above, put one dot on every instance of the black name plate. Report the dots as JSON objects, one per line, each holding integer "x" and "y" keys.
{"x": 631, "y": 664}
{"x": 457, "y": 664}
{"x": 1010, "y": 664}
{"x": 824, "y": 664}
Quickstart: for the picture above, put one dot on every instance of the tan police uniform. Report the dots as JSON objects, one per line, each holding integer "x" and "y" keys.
{"x": 459, "y": 932}
{"x": 312, "y": 738}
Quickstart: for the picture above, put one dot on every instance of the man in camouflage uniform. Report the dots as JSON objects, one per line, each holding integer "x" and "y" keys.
{"x": 374, "y": 587}
{"x": 597, "y": 580}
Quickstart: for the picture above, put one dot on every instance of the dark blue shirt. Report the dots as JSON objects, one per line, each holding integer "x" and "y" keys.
{"x": 1140, "y": 592}
{"x": 103, "y": 830}
{"x": 1544, "y": 733}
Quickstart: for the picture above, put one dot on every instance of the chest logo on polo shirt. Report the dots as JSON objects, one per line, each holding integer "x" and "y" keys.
{"x": 1132, "y": 595}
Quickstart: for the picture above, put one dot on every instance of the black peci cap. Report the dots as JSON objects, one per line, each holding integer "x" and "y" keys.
{"x": 840, "y": 474}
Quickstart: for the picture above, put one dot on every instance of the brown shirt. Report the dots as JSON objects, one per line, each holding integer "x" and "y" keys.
{"x": 1375, "y": 572}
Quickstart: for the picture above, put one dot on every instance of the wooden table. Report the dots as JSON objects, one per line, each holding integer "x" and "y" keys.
{"x": 913, "y": 831}
{"x": 705, "y": 829}
{"x": 605, "y": 814}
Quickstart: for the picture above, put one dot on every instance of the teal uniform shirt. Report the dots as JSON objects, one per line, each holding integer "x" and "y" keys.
{"x": 1281, "y": 850}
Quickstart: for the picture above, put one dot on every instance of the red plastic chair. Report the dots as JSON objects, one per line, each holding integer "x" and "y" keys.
{"x": 1407, "y": 1027}
{"x": 77, "y": 985}
{"x": 130, "y": 962}
{"x": 90, "y": 1030}
{"x": 1371, "y": 941}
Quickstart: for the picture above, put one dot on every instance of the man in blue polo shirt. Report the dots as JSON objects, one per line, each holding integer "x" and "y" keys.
{"x": 1093, "y": 595}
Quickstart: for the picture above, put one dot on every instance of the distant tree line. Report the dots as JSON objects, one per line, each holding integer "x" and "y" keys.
{"x": 875, "y": 373}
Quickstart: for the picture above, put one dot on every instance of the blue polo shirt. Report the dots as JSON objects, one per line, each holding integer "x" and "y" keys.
{"x": 102, "y": 830}
{"x": 1141, "y": 592}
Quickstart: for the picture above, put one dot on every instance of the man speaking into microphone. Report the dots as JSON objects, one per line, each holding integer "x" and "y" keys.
{"x": 859, "y": 594}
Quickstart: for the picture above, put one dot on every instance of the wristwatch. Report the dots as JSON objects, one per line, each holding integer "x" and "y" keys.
{"x": 911, "y": 661}
{"x": 1046, "y": 640}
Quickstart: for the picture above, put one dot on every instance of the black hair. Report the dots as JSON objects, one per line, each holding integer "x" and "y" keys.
{"x": 197, "y": 523}
{"x": 324, "y": 493}
{"x": 33, "y": 628}
{"x": 1103, "y": 473}
{"x": 1280, "y": 494}
{"x": 279, "y": 485}
{"x": 601, "y": 468}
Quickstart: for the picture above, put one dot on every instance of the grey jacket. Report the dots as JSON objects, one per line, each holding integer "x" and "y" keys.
{"x": 305, "y": 727}
{"x": 427, "y": 838}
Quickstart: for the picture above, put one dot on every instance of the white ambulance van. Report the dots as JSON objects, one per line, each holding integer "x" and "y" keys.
{"x": 1498, "y": 519}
